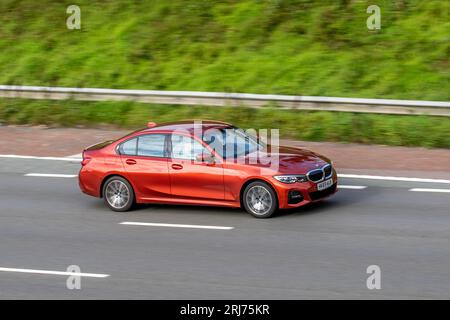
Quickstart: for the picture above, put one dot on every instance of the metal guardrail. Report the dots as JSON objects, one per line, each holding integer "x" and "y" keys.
{"x": 386, "y": 106}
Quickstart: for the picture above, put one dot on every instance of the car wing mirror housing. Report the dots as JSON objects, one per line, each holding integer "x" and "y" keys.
{"x": 208, "y": 158}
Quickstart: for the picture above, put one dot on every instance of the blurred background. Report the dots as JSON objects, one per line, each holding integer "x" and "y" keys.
{"x": 293, "y": 47}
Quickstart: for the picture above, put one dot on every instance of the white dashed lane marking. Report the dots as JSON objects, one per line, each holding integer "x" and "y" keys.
{"x": 50, "y": 175}
{"x": 56, "y": 273}
{"x": 169, "y": 225}
{"x": 430, "y": 190}
{"x": 340, "y": 186}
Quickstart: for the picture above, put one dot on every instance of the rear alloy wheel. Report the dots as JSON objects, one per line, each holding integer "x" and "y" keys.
{"x": 118, "y": 194}
{"x": 260, "y": 200}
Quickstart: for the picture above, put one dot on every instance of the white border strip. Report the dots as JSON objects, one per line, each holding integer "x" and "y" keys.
{"x": 57, "y": 273}
{"x": 388, "y": 178}
{"x": 429, "y": 190}
{"x": 175, "y": 225}
{"x": 50, "y": 175}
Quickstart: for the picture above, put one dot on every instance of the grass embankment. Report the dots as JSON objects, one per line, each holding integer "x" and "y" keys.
{"x": 300, "y": 47}
{"x": 422, "y": 131}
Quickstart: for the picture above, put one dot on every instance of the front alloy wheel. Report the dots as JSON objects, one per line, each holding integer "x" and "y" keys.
{"x": 118, "y": 194}
{"x": 260, "y": 200}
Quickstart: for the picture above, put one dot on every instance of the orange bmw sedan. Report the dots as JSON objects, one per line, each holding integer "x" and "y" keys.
{"x": 207, "y": 163}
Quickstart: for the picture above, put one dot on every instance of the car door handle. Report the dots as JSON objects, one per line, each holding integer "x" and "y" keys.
{"x": 176, "y": 166}
{"x": 130, "y": 161}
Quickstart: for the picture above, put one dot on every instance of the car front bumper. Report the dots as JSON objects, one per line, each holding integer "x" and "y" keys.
{"x": 301, "y": 193}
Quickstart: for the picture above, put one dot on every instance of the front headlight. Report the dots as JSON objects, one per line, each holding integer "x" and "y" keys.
{"x": 291, "y": 178}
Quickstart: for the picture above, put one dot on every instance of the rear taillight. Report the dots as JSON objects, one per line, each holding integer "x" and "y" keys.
{"x": 85, "y": 160}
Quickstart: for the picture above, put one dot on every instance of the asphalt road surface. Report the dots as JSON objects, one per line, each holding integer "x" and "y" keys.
{"x": 319, "y": 251}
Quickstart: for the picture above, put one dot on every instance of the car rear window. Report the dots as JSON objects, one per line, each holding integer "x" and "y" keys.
{"x": 129, "y": 147}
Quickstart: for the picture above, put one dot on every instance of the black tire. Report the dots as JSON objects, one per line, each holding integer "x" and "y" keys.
{"x": 122, "y": 190}
{"x": 251, "y": 202}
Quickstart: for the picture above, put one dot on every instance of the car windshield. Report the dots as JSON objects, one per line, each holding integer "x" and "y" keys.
{"x": 232, "y": 142}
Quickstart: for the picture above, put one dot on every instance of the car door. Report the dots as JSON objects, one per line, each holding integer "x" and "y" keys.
{"x": 191, "y": 178}
{"x": 145, "y": 159}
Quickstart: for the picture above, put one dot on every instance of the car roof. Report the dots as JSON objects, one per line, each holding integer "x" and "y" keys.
{"x": 187, "y": 125}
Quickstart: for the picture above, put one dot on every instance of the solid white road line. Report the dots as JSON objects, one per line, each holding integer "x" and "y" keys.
{"x": 76, "y": 156}
{"x": 429, "y": 190}
{"x": 57, "y": 273}
{"x": 341, "y": 175}
{"x": 351, "y": 187}
{"x": 175, "y": 225}
{"x": 50, "y": 175}
{"x": 358, "y": 176}
{"x": 13, "y": 156}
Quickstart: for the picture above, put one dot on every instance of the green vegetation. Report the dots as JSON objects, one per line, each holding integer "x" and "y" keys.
{"x": 303, "y": 47}
{"x": 304, "y": 125}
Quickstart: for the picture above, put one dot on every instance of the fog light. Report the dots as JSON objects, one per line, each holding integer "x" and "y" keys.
{"x": 295, "y": 197}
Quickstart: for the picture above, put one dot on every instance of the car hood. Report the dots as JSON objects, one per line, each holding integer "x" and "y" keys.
{"x": 290, "y": 159}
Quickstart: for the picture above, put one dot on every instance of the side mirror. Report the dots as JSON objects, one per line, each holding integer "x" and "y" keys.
{"x": 208, "y": 158}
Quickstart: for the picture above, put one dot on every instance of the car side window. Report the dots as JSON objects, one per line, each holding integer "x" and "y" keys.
{"x": 184, "y": 147}
{"x": 129, "y": 147}
{"x": 151, "y": 145}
